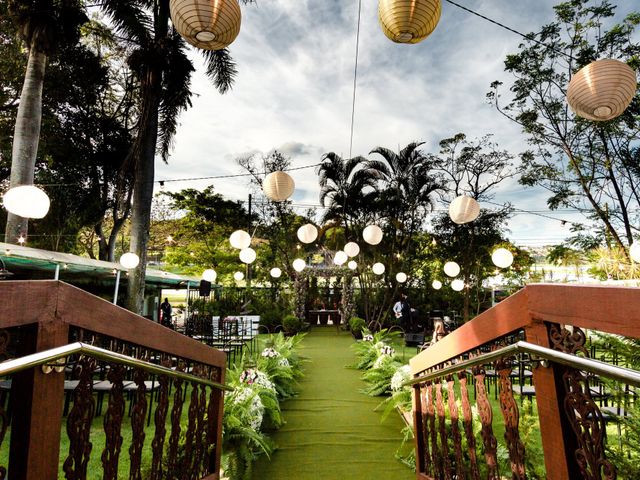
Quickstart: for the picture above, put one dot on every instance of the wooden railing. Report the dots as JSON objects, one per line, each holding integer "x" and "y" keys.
{"x": 572, "y": 425}
{"x": 172, "y": 427}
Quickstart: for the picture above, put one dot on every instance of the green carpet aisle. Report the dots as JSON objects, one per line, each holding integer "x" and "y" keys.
{"x": 332, "y": 430}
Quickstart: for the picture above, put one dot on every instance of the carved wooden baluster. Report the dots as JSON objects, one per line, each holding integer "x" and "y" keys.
{"x": 138, "y": 417}
{"x": 213, "y": 411}
{"x": 442, "y": 426}
{"x": 467, "y": 421}
{"x": 5, "y": 338}
{"x": 428, "y": 466}
{"x": 191, "y": 430}
{"x": 455, "y": 431}
{"x": 583, "y": 413}
{"x": 436, "y": 458}
{"x": 160, "y": 418}
{"x": 511, "y": 417}
{"x": 79, "y": 422}
{"x": 486, "y": 417}
{"x": 113, "y": 422}
{"x": 201, "y": 438}
{"x": 176, "y": 413}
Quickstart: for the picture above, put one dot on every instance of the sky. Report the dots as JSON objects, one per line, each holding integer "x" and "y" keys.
{"x": 294, "y": 90}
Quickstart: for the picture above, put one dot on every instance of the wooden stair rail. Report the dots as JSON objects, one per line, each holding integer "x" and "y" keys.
{"x": 542, "y": 312}
{"x": 49, "y": 314}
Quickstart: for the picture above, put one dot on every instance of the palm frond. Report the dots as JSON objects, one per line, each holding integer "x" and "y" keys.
{"x": 130, "y": 19}
{"x": 220, "y": 68}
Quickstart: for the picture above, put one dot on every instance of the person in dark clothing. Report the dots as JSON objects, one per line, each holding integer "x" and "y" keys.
{"x": 165, "y": 310}
{"x": 402, "y": 310}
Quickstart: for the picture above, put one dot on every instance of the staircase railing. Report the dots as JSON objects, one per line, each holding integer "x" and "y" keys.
{"x": 540, "y": 333}
{"x": 66, "y": 353}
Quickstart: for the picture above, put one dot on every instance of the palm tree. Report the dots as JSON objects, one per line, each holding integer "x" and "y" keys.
{"x": 160, "y": 63}
{"x": 43, "y": 25}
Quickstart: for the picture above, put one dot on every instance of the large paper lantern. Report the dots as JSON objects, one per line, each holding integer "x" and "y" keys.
{"x": 436, "y": 284}
{"x": 238, "y": 276}
{"x": 209, "y": 275}
{"x": 276, "y": 272}
{"x": 372, "y": 234}
{"x": 378, "y": 268}
{"x": 408, "y": 21}
{"x": 634, "y": 252}
{"x": 602, "y": 90}
{"x": 352, "y": 249}
{"x": 352, "y": 264}
{"x": 278, "y": 186}
{"x": 401, "y": 277}
{"x": 502, "y": 258}
{"x": 464, "y": 209}
{"x": 457, "y": 285}
{"x": 129, "y": 260}
{"x": 307, "y": 233}
{"x": 340, "y": 258}
{"x": 299, "y": 264}
{"x": 452, "y": 269}
{"x": 247, "y": 255}
{"x": 240, "y": 239}
{"x": 207, "y": 24}
{"x": 26, "y": 201}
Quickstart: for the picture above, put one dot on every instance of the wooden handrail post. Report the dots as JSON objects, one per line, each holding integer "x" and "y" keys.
{"x": 37, "y": 400}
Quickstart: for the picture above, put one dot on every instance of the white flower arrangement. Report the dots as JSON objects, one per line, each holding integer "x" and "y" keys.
{"x": 283, "y": 362}
{"x": 270, "y": 353}
{"x": 403, "y": 374}
{"x": 387, "y": 350}
{"x": 248, "y": 376}
{"x": 381, "y": 360}
{"x": 367, "y": 338}
{"x": 252, "y": 376}
{"x": 255, "y": 412}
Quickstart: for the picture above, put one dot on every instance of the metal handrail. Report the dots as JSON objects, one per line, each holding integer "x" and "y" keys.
{"x": 41, "y": 358}
{"x": 625, "y": 375}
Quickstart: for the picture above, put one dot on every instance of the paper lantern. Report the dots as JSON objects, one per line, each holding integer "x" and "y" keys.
{"x": 408, "y": 21}
{"x": 278, "y": 186}
{"x": 372, "y": 234}
{"x": 502, "y": 258}
{"x": 206, "y": 24}
{"x": 247, "y": 255}
{"x": 352, "y": 264}
{"x": 436, "y": 284}
{"x": 26, "y": 201}
{"x": 240, "y": 239}
{"x": 275, "y": 272}
{"x": 209, "y": 275}
{"x": 457, "y": 285}
{"x": 238, "y": 276}
{"x": 401, "y": 277}
{"x": 634, "y": 252}
{"x": 308, "y": 233}
{"x": 340, "y": 258}
{"x": 602, "y": 90}
{"x": 299, "y": 264}
{"x": 378, "y": 268}
{"x": 129, "y": 260}
{"x": 352, "y": 249}
{"x": 452, "y": 269}
{"x": 464, "y": 209}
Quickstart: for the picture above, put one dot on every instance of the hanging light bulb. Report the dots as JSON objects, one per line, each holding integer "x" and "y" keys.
{"x": 452, "y": 269}
{"x": 240, "y": 239}
{"x": 457, "y": 285}
{"x": 378, "y": 268}
{"x": 352, "y": 249}
{"x": 247, "y": 255}
{"x": 129, "y": 260}
{"x": 340, "y": 258}
{"x": 307, "y": 233}
{"x": 401, "y": 277}
{"x": 26, "y": 201}
{"x": 436, "y": 284}
{"x": 209, "y": 275}
{"x": 238, "y": 276}
{"x": 275, "y": 272}
{"x": 502, "y": 258}
{"x": 299, "y": 264}
{"x": 352, "y": 264}
{"x": 372, "y": 234}
{"x": 21, "y": 240}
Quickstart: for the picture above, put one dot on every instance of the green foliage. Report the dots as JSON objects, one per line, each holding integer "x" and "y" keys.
{"x": 292, "y": 324}
{"x": 378, "y": 377}
{"x": 357, "y": 325}
{"x": 368, "y": 351}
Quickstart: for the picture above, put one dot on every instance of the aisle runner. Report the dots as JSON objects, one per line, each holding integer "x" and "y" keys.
{"x": 332, "y": 430}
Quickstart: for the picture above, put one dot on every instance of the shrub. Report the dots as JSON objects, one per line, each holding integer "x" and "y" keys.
{"x": 291, "y": 324}
{"x": 357, "y": 325}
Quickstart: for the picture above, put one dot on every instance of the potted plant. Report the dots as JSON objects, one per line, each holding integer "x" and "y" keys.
{"x": 291, "y": 325}
{"x": 357, "y": 325}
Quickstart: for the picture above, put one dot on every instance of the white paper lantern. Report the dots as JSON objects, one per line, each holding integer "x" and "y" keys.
{"x": 276, "y": 272}
{"x": 401, "y": 277}
{"x": 238, "y": 276}
{"x": 26, "y": 201}
{"x": 452, "y": 269}
{"x": 307, "y": 233}
{"x": 340, "y": 258}
{"x": 372, "y": 234}
{"x": 278, "y": 186}
{"x": 378, "y": 268}
{"x": 240, "y": 239}
{"x": 436, "y": 284}
{"x": 352, "y": 264}
{"x": 502, "y": 258}
{"x": 634, "y": 252}
{"x": 209, "y": 275}
{"x": 352, "y": 249}
{"x": 602, "y": 90}
{"x": 457, "y": 285}
{"x": 206, "y": 24}
{"x": 247, "y": 255}
{"x": 299, "y": 264}
{"x": 129, "y": 260}
{"x": 464, "y": 209}
{"x": 408, "y": 21}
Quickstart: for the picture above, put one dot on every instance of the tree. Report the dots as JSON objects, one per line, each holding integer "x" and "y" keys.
{"x": 590, "y": 166}
{"x": 44, "y": 25}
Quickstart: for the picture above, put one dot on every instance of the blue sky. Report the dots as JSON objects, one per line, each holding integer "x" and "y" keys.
{"x": 294, "y": 91}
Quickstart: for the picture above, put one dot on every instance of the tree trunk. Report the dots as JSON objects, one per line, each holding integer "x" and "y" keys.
{"x": 26, "y": 137}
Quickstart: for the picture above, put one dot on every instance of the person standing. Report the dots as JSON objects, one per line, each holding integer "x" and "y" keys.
{"x": 402, "y": 311}
{"x": 165, "y": 313}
